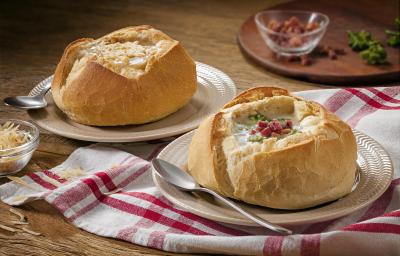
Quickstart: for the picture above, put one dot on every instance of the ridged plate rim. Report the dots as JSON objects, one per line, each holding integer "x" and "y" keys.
{"x": 211, "y": 81}
{"x": 376, "y": 173}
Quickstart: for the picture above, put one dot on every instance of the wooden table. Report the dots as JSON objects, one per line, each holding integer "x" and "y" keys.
{"x": 33, "y": 35}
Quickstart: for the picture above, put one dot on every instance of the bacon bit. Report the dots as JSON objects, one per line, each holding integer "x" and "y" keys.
{"x": 292, "y": 22}
{"x": 292, "y": 28}
{"x": 332, "y": 54}
{"x": 266, "y": 132}
{"x": 19, "y": 214}
{"x": 274, "y": 134}
{"x": 275, "y": 126}
{"x": 295, "y": 41}
{"x": 275, "y": 25}
{"x": 293, "y": 58}
{"x": 31, "y": 232}
{"x": 305, "y": 60}
{"x": 340, "y": 51}
{"x": 312, "y": 26}
{"x": 8, "y": 228}
{"x": 262, "y": 124}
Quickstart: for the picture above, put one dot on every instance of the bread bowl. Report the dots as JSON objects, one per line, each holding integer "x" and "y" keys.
{"x": 269, "y": 148}
{"x": 134, "y": 75}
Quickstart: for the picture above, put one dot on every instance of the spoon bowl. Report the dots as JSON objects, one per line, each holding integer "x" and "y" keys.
{"x": 179, "y": 178}
{"x": 174, "y": 175}
{"x": 26, "y": 102}
{"x": 29, "y": 102}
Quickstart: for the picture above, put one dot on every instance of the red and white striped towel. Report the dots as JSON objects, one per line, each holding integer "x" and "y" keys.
{"x": 136, "y": 211}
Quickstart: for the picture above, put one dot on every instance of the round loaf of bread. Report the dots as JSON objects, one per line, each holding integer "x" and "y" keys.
{"x": 272, "y": 149}
{"x": 134, "y": 75}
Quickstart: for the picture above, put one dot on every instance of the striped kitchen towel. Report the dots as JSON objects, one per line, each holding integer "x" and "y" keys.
{"x": 112, "y": 195}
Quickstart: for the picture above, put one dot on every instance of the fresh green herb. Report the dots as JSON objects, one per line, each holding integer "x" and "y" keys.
{"x": 371, "y": 50}
{"x": 294, "y": 131}
{"x": 359, "y": 41}
{"x": 394, "y": 36}
{"x": 258, "y": 117}
{"x": 255, "y": 138}
{"x": 375, "y": 54}
{"x": 243, "y": 127}
{"x": 255, "y": 118}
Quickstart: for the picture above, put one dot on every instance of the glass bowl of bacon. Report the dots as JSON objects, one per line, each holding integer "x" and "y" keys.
{"x": 291, "y": 33}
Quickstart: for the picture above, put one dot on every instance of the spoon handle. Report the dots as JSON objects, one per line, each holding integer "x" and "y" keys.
{"x": 44, "y": 89}
{"x": 247, "y": 214}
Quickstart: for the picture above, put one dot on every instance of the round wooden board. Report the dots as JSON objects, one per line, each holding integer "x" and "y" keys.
{"x": 348, "y": 69}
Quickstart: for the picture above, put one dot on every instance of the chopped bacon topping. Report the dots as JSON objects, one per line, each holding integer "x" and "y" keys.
{"x": 272, "y": 128}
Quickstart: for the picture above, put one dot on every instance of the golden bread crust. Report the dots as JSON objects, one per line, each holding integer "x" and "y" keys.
{"x": 93, "y": 94}
{"x": 301, "y": 171}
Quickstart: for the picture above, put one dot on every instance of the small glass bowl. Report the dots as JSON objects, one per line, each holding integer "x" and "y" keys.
{"x": 278, "y": 41}
{"x": 12, "y": 160}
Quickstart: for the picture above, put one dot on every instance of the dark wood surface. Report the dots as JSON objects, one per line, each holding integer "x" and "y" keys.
{"x": 350, "y": 69}
{"x": 33, "y": 34}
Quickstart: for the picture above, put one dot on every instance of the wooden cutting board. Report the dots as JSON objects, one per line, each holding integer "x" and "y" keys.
{"x": 348, "y": 69}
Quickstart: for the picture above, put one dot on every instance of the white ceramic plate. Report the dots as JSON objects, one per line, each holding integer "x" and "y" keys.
{"x": 214, "y": 90}
{"x": 375, "y": 175}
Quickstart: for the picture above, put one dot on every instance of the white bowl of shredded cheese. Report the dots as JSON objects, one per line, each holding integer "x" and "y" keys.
{"x": 18, "y": 140}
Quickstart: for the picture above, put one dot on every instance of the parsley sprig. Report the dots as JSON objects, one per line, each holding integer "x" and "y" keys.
{"x": 359, "y": 41}
{"x": 394, "y": 36}
{"x": 370, "y": 49}
{"x": 375, "y": 54}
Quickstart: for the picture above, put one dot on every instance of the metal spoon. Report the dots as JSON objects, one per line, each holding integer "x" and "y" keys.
{"x": 29, "y": 102}
{"x": 175, "y": 176}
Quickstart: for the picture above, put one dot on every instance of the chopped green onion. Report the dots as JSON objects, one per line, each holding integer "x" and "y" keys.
{"x": 255, "y": 138}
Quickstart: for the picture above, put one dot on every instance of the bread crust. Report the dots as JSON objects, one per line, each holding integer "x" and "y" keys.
{"x": 304, "y": 174}
{"x": 101, "y": 97}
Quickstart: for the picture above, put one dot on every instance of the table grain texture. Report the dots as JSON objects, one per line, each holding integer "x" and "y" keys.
{"x": 33, "y": 35}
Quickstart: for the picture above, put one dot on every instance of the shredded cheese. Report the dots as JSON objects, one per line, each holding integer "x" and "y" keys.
{"x": 19, "y": 214}
{"x": 17, "y": 222}
{"x": 72, "y": 173}
{"x": 50, "y": 180}
{"x": 112, "y": 192}
{"x": 31, "y": 232}
{"x": 11, "y": 136}
{"x": 22, "y": 182}
{"x": 21, "y": 221}
{"x": 8, "y": 228}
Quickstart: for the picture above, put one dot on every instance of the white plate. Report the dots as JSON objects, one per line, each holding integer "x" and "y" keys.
{"x": 375, "y": 169}
{"x": 214, "y": 90}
